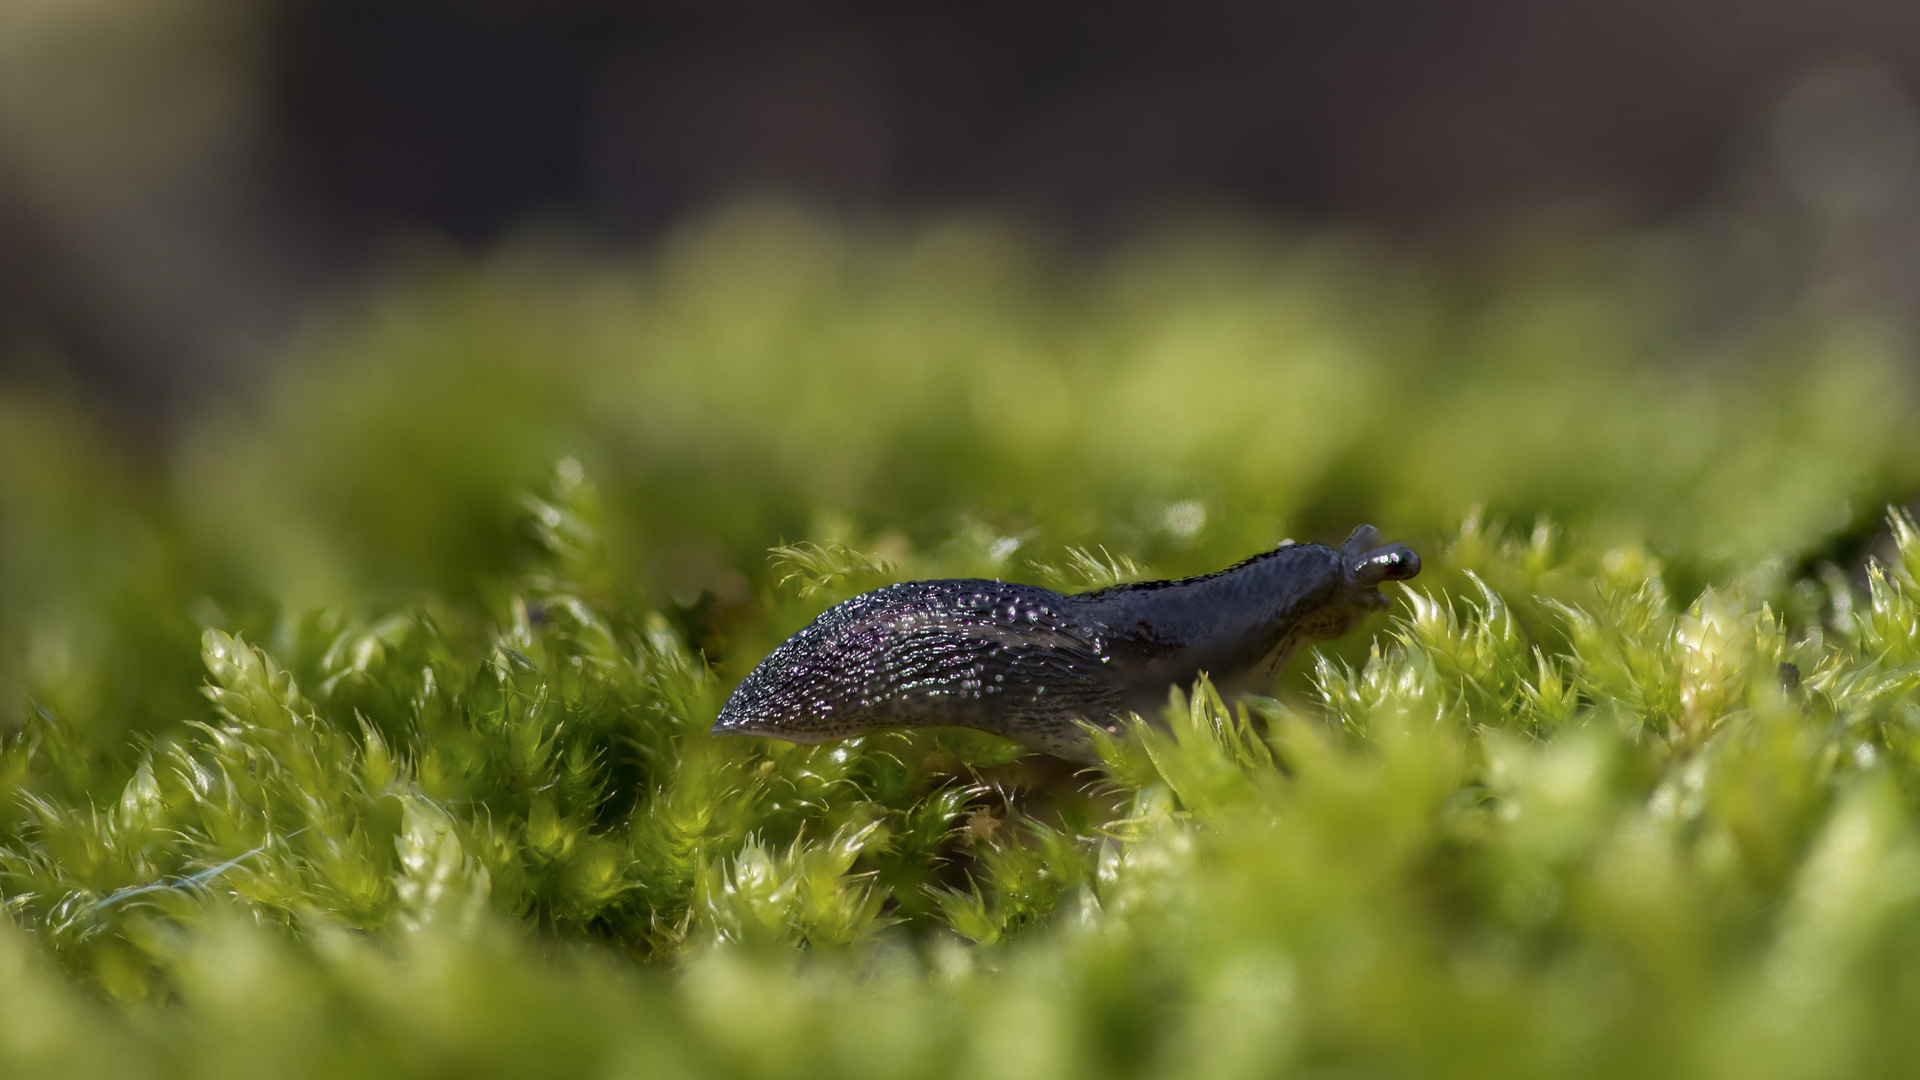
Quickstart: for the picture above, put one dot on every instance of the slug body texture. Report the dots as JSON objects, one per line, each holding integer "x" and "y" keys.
{"x": 1030, "y": 664}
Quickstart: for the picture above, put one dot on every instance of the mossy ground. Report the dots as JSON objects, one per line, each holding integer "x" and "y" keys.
{"x": 363, "y": 728}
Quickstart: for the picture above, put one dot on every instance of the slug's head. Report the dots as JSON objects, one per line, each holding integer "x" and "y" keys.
{"x": 1366, "y": 564}
{"x": 1346, "y": 591}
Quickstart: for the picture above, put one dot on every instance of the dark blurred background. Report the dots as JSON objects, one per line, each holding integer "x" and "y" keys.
{"x": 180, "y": 178}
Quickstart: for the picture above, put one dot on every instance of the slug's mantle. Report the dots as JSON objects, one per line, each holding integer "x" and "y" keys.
{"x": 1030, "y": 664}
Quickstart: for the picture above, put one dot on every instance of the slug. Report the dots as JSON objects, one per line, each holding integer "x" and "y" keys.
{"x": 1030, "y": 664}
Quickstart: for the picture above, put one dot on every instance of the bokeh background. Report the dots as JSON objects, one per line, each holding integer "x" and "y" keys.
{"x": 181, "y": 181}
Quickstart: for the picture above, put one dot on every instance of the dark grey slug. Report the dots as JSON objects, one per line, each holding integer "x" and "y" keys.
{"x": 1028, "y": 663}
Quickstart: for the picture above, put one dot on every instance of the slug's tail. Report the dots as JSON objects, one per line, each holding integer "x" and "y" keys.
{"x": 772, "y": 701}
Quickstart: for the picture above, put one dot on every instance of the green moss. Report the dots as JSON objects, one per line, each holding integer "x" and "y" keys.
{"x": 1636, "y": 788}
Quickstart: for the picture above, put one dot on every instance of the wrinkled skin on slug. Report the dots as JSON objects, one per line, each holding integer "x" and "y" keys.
{"x": 1030, "y": 664}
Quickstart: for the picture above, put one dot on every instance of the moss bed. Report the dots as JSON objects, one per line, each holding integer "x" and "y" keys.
{"x": 358, "y": 725}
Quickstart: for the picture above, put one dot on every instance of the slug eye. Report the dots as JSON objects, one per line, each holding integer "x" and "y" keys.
{"x": 1396, "y": 562}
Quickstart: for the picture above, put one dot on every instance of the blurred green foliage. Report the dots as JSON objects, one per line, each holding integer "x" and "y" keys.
{"x": 363, "y": 729}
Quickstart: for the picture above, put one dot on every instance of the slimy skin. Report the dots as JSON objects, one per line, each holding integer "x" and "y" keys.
{"x": 1030, "y": 664}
